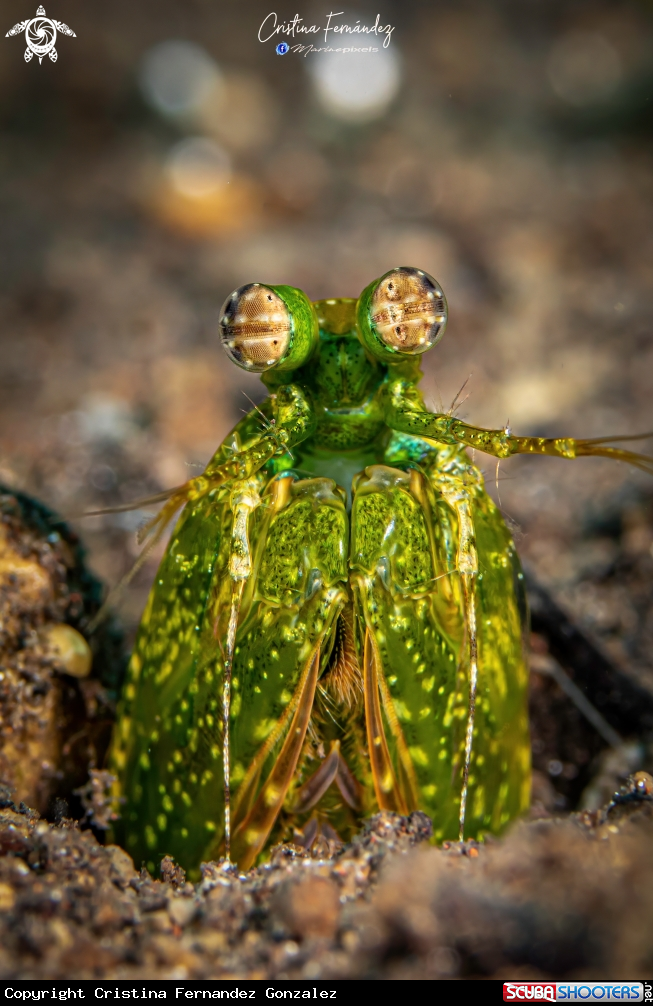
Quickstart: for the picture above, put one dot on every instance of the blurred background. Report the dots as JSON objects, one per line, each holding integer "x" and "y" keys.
{"x": 168, "y": 156}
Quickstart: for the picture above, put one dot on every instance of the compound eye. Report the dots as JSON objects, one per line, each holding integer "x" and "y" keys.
{"x": 255, "y": 327}
{"x": 408, "y": 310}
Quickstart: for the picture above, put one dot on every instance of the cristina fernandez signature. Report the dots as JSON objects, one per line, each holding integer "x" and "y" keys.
{"x": 271, "y": 26}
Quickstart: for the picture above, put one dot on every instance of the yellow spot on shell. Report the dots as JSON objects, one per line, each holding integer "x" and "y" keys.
{"x": 402, "y": 710}
{"x": 167, "y": 804}
{"x": 125, "y": 728}
{"x": 165, "y": 672}
{"x": 144, "y": 761}
{"x": 427, "y": 684}
{"x": 387, "y": 782}
{"x": 262, "y": 729}
{"x": 150, "y": 836}
{"x": 162, "y": 822}
{"x": 272, "y": 794}
{"x": 418, "y": 755}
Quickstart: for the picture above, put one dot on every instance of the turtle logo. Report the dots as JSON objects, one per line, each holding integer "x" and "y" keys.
{"x": 40, "y": 35}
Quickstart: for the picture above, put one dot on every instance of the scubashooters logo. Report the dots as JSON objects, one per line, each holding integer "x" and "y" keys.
{"x": 40, "y": 35}
{"x": 572, "y": 991}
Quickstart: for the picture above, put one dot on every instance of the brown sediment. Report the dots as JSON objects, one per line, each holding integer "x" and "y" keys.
{"x": 56, "y": 711}
{"x": 556, "y": 899}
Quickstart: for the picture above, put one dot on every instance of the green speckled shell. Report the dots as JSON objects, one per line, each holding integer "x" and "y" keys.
{"x": 358, "y": 527}
{"x": 308, "y": 563}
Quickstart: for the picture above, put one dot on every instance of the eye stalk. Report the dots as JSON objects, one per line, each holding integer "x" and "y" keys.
{"x": 268, "y": 327}
{"x": 402, "y": 314}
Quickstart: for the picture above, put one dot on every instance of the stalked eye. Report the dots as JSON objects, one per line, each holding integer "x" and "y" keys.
{"x": 255, "y": 327}
{"x": 405, "y": 312}
{"x": 268, "y": 327}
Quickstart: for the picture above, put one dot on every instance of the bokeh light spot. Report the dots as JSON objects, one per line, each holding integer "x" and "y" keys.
{"x": 197, "y": 167}
{"x": 356, "y": 86}
{"x": 583, "y": 68}
{"x": 176, "y": 77}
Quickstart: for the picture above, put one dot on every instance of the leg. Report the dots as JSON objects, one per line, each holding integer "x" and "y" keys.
{"x": 244, "y": 500}
{"x": 406, "y": 413}
{"x": 287, "y": 420}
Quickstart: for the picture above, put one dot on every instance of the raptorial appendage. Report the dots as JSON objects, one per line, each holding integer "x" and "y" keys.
{"x": 404, "y": 416}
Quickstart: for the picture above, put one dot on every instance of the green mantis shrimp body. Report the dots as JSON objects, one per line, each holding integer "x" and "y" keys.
{"x": 337, "y": 625}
